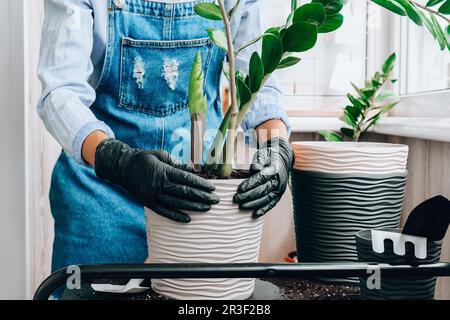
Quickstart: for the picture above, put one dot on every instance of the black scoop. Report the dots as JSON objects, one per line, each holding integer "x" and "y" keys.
{"x": 429, "y": 219}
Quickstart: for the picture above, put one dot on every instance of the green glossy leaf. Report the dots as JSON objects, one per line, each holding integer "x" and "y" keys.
{"x": 219, "y": 38}
{"x": 391, "y": 6}
{"x": 299, "y": 37}
{"x": 331, "y": 6}
{"x": 368, "y": 92}
{"x": 411, "y": 11}
{"x": 256, "y": 72}
{"x": 348, "y": 132}
{"x": 389, "y": 64}
{"x": 331, "y": 23}
{"x": 244, "y": 93}
{"x": 290, "y": 19}
{"x": 358, "y": 103}
{"x": 386, "y": 95}
{"x": 439, "y": 33}
{"x": 209, "y": 11}
{"x": 331, "y": 136}
{"x": 354, "y": 112}
{"x": 348, "y": 118}
{"x": 197, "y": 99}
{"x": 431, "y": 3}
{"x": 427, "y": 22}
{"x": 312, "y": 12}
{"x": 445, "y": 7}
{"x": 288, "y": 62}
{"x": 272, "y": 51}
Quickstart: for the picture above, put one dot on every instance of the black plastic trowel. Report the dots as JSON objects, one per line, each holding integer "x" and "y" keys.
{"x": 429, "y": 221}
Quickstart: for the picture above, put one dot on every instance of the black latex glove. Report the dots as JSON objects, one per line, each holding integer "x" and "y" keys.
{"x": 155, "y": 179}
{"x": 271, "y": 167}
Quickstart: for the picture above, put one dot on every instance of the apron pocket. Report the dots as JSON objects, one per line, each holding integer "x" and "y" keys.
{"x": 154, "y": 75}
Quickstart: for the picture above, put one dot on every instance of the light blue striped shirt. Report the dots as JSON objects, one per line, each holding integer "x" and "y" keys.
{"x": 72, "y": 53}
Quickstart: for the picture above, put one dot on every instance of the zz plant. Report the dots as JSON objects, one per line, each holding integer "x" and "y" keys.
{"x": 365, "y": 109}
{"x": 426, "y": 14}
{"x": 279, "y": 46}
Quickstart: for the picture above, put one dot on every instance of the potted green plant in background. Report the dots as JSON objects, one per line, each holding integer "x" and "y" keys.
{"x": 340, "y": 188}
{"x": 225, "y": 234}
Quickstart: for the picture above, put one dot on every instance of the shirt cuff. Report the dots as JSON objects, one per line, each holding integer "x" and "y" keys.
{"x": 264, "y": 113}
{"x": 83, "y": 133}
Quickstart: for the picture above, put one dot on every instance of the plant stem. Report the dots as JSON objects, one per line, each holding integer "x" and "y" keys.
{"x": 430, "y": 10}
{"x": 226, "y": 169}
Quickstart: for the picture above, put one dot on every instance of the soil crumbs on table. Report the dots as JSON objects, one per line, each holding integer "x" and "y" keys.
{"x": 299, "y": 289}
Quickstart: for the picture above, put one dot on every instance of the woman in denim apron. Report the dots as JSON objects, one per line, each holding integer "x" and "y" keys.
{"x": 135, "y": 105}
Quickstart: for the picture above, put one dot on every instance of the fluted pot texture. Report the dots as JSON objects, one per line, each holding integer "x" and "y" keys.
{"x": 225, "y": 234}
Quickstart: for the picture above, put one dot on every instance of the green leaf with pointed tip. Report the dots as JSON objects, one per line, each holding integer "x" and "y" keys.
{"x": 358, "y": 103}
{"x": 439, "y": 32}
{"x": 312, "y": 12}
{"x": 331, "y": 23}
{"x": 445, "y": 7}
{"x": 431, "y": 3}
{"x": 244, "y": 93}
{"x": 197, "y": 99}
{"x": 358, "y": 91}
{"x": 219, "y": 38}
{"x": 391, "y": 6}
{"x": 427, "y": 22}
{"x": 389, "y": 64}
{"x": 256, "y": 72}
{"x": 331, "y": 6}
{"x": 288, "y": 62}
{"x": 272, "y": 51}
{"x": 331, "y": 136}
{"x": 411, "y": 11}
{"x": 209, "y": 11}
{"x": 299, "y": 37}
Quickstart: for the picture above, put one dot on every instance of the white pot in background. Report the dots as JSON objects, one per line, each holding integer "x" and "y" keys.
{"x": 225, "y": 234}
{"x": 350, "y": 157}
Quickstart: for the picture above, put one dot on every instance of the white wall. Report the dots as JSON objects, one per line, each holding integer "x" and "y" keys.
{"x": 13, "y": 207}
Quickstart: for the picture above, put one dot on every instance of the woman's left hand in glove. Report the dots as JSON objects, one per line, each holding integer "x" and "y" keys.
{"x": 271, "y": 168}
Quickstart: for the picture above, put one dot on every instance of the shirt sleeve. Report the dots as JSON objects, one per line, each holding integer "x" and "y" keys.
{"x": 269, "y": 104}
{"x": 64, "y": 69}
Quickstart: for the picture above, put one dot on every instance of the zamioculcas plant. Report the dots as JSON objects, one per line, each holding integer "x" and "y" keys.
{"x": 371, "y": 102}
{"x": 279, "y": 44}
{"x": 426, "y": 14}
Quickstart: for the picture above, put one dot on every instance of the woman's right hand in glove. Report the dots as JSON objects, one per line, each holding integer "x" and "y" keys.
{"x": 155, "y": 179}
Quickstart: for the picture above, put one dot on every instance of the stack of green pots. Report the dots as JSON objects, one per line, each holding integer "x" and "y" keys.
{"x": 411, "y": 288}
{"x": 340, "y": 189}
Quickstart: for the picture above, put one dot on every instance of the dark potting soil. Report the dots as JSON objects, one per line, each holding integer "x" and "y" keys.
{"x": 299, "y": 289}
{"x": 236, "y": 174}
{"x": 291, "y": 289}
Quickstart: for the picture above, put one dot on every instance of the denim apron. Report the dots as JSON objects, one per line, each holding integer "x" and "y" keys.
{"x": 143, "y": 96}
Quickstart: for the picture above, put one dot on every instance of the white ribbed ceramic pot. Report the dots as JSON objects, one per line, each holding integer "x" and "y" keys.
{"x": 350, "y": 157}
{"x": 225, "y": 234}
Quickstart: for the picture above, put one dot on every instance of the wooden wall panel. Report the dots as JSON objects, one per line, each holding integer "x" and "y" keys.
{"x": 43, "y": 154}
